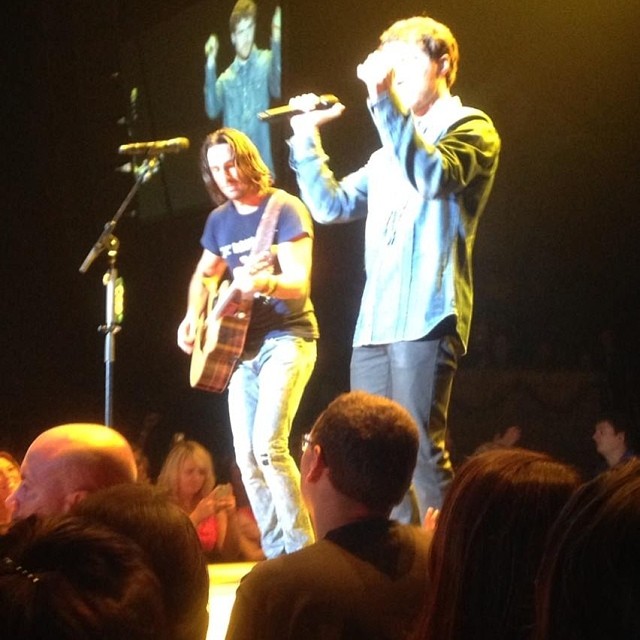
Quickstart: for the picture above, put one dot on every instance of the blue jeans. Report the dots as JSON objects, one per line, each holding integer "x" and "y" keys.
{"x": 418, "y": 375}
{"x": 264, "y": 395}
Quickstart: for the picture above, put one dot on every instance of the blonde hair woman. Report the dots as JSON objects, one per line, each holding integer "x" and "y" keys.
{"x": 9, "y": 480}
{"x": 188, "y": 475}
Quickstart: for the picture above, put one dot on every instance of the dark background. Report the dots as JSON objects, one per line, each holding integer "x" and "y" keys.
{"x": 556, "y": 260}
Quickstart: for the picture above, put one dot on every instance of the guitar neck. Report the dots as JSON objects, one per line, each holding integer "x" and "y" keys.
{"x": 225, "y": 298}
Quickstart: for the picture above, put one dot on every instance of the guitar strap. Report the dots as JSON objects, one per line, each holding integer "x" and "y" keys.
{"x": 264, "y": 239}
{"x": 267, "y": 228}
{"x": 268, "y": 221}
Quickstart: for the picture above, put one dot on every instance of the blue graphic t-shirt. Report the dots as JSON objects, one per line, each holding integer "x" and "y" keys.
{"x": 231, "y": 235}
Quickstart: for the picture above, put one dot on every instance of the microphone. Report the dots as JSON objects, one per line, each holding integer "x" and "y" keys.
{"x": 325, "y": 101}
{"x": 175, "y": 145}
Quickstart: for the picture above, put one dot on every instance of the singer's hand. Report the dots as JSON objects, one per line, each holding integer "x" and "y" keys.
{"x": 312, "y": 118}
{"x": 376, "y": 72}
{"x": 211, "y": 47}
{"x": 431, "y": 519}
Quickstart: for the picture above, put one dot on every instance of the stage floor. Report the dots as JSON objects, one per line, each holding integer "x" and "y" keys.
{"x": 223, "y": 582}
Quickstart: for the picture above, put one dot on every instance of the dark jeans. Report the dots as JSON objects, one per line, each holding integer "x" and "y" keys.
{"x": 419, "y": 375}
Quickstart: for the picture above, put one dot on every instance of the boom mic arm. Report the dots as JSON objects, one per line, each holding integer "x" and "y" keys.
{"x": 174, "y": 145}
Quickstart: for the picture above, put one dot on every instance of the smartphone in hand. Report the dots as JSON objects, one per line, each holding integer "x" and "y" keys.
{"x": 222, "y": 490}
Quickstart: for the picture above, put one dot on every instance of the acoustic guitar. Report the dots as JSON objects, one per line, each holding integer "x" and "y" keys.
{"x": 222, "y": 331}
{"x": 220, "y": 338}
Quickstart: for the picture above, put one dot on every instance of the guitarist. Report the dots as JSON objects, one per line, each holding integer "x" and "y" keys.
{"x": 280, "y": 349}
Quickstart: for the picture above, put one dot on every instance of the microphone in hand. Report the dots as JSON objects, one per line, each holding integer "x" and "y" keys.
{"x": 325, "y": 101}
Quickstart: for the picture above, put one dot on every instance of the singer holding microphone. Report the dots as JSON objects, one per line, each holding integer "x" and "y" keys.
{"x": 422, "y": 193}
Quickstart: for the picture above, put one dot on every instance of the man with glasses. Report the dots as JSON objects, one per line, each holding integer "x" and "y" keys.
{"x": 366, "y": 575}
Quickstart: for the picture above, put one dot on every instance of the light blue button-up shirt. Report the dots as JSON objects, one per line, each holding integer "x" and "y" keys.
{"x": 422, "y": 194}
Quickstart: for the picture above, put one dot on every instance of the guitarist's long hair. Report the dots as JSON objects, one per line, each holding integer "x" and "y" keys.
{"x": 248, "y": 161}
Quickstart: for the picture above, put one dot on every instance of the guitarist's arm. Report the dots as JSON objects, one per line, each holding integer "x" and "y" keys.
{"x": 294, "y": 258}
{"x": 210, "y": 267}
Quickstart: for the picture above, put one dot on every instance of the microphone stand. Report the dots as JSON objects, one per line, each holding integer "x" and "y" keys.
{"x": 114, "y": 287}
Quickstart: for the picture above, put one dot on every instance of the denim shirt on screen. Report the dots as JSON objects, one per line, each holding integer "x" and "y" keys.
{"x": 242, "y": 91}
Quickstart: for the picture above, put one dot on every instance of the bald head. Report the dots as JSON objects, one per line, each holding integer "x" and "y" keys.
{"x": 65, "y": 463}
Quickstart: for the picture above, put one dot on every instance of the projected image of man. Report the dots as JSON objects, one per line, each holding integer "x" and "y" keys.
{"x": 245, "y": 88}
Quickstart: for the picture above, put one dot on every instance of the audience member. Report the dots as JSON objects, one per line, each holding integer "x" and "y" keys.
{"x": 589, "y": 583}
{"x": 9, "y": 480}
{"x": 65, "y": 578}
{"x": 488, "y": 543}
{"x": 10, "y": 469}
{"x": 142, "y": 464}
{"x": 188, "y": 476}
{"x": 505, "y": 439}
{"x": 149, "y": 517}
{"x": 66, "y": 463}
{"x": 611, "y": 436}
{"x": 365, "y": 577}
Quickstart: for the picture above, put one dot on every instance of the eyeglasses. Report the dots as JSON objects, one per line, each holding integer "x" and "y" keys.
{"x": 305, "y": 442}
